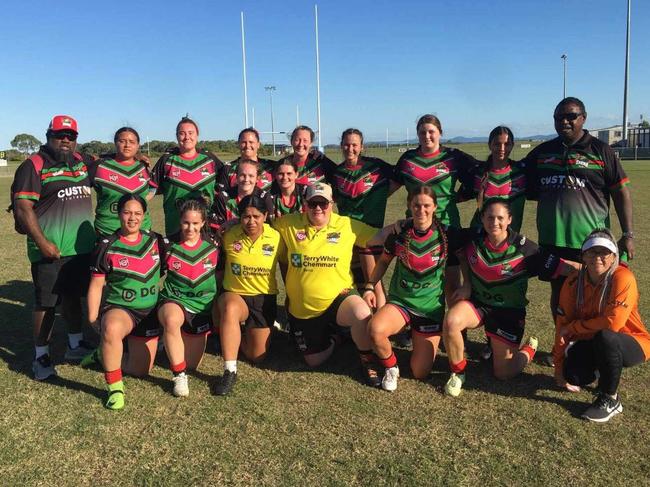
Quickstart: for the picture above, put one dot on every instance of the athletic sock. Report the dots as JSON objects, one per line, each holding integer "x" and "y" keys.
{"x": 179, "y": 368}
{"x": 113, "y": 376}
{"x": 42, "y": 350}
{"x": 390, "y": 361}
{"x": 458, "y": 367}
{"x": 530, "y": 351}
{"x": 74, "y": 339}
{"x": 230, "y": 365}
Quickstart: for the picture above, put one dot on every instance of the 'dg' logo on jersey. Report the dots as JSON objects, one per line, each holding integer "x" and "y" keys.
{"x": 296, "y": 260}
{"x": 128, "y": 295}
{"x": 236, "y": 269}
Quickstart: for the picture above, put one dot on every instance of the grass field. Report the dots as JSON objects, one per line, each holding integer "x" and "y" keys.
{"x": 287, "y": 425}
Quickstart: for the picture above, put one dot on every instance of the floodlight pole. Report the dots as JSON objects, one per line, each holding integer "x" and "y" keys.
{"x": 564, "y": 58}
{"x": 320, "y": 129}
{"x": 243, "y": 55}
{"x": 627, "y": 70}
{"x": 271, "y": 89}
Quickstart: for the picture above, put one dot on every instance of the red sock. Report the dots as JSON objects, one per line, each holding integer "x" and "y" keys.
{"x": 458, "y": 368}
{"x": 529, "y": 350}
{"x": 367, "y": 356}
{"x": 178, "y": 368}
{"x": 389, "y": 362}
{"x": 113, "y": 376}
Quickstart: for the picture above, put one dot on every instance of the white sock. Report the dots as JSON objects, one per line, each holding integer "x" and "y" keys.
{"x": 230, "y": 365}
{"x": 42, "y": 350}
{"x": 74, "y": 339}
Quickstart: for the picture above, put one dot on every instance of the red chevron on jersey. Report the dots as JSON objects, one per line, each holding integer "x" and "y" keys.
{"x": 358, "y": 187}
{"x": 122, "y": 182}
{"x": 420, "y": 261}
{"x": 508, "y": 187}
{"x": 139, "y": 267}
{"x": 501, "y": 271}
{"x": 427, "y": 174}
{"x": 190, "y": 178}
{"x": 193, "y": 271}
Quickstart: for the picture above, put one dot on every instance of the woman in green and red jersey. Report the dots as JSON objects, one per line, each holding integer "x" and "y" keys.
{"x": 112, "y": 177}
{"x": 185, "y": 173}
{"x": 443, "y": 169}
{"x": 288, "y": 196}
{"x": 226, "y": 206}
{"x": 128, "y": 262}
{"x": 251, "y": 253}
{"x": 190, "y": 287}
{"x": 312, "y": 165}
{"x": 415, "y": 296}
{"x": 497, "y": 263}
{"x": 361, "y": 188}
{"x": 501, "y": 178}
{"x": 249, "y": 146}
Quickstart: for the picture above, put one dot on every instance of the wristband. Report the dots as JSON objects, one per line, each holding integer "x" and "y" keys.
{"x": 629, "y": 235}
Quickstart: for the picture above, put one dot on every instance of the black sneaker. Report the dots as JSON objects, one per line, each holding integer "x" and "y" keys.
{"x": 603, "y": 408}
{"x": 371, "y": 374}
{"x": 226, "y": 383}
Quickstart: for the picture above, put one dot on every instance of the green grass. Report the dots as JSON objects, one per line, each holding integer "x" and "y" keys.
{"x": 289, "y": 425}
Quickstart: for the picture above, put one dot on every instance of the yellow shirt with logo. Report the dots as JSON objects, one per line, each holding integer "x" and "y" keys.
{"x": 251, "y": 266}
{"x": 318, "y": 261}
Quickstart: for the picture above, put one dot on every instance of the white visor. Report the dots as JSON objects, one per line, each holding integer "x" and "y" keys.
{"x": 600, "y": 242}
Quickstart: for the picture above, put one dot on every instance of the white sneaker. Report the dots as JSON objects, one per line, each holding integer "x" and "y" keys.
{"x": 389, "y": 382}
{"x": 181, "y": 387}
{"x": 454, "y": 385}
{"x": 43, "y": 368}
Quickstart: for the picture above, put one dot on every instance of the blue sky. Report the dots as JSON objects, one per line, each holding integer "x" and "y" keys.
{"x": 475, "y": 64}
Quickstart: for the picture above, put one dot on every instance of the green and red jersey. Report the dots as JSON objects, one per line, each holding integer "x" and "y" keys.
{"x": 132, "y": 269}
{"x": 296, "y": 203}
{"x": 417, "y": 282}
{"x": 179, "y": 178}
{"x": 62, "y": 202}
{"x": 572, "y": 186}
{"x": 441, "y": 170}
{"x": 264, "y": 180}
{"x": 361, "y": 191}
{"x": 225, "y": 207}
{"x": 316, "y": 168}
{"x": 191, "y": 275}
{"x": 111, "y": 180}
{"x": 508, "y": 184}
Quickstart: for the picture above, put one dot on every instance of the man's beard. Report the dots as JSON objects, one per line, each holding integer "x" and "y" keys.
{"x": 62, "y": 156}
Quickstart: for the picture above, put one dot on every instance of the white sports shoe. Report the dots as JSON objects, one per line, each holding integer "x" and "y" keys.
{"x": 43, "y": 368}
{"x": 181, "y": 387}
{"x": 454, "y": 385}
{"x": 389, "y": 382}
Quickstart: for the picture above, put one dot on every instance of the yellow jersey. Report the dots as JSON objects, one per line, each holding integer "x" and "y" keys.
{"x": 318, "y": 261}
{"x": 251, "y": 266}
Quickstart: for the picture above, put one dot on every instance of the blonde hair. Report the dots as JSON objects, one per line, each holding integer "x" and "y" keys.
{"x": 607, "y": 282}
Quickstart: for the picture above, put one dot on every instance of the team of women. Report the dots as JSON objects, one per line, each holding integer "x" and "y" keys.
{"x": 230, "y": 226}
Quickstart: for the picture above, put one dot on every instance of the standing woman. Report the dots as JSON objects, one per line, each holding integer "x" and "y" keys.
{"x": 251, "y": 250}
{"x": 188, "y": 292}
{"x": 128, "y": 262}
{"x": 312, "y": 165}
{"x": 443, "y": 169}
{"x": 288, "y": 196}
{"x": 249, "y": 146}
{"x": 114, "y": 177}
{"x": 598, "y": 328}
{"x": 185, "y": 173}
{"x": 501, "y": 178}
{"x": 497, "y": 263}
{"x": 415, "y": 296}
{"x": 361, "y": 189}
{"x": 226, "y": 205}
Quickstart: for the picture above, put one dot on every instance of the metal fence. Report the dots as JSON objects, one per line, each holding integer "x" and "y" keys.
{"x": 632, "y": 153}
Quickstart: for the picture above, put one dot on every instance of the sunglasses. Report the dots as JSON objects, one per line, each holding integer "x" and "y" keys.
{"x": 64, "y": 135}
{"x": 322, "y": 204}
{"x": 567, "y": 116}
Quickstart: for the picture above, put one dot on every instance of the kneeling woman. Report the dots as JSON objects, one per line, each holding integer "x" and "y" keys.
{"x": 598, "y": 328}
{"x": 416, "y": 294}
{"x": 188, "y": 293}
{"x": 251, "y": 251}
{"x": 497, "y": 263}
{"x": 129, "y": 263}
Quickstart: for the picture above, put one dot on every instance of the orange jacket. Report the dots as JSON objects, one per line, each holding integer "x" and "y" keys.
{"x": 620, "y": 314}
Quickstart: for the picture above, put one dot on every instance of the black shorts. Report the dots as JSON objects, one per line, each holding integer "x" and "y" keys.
{"x": 195, "y": 324}
{"x": 262, "y": 311}
{"x": 67, "y": 276}
{"x": 420, "y": 324}
{"x": 312, "y": 335}
{"x": 504, "y": 324}
{"x": 145, "y": 321}
{"x": 355, "y": 265}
